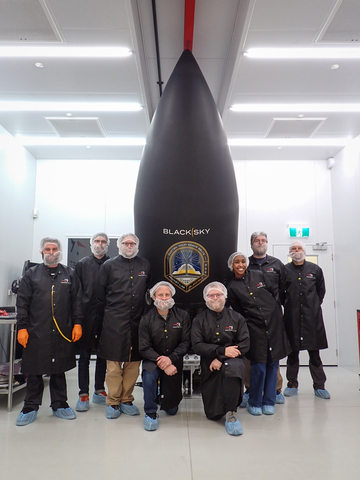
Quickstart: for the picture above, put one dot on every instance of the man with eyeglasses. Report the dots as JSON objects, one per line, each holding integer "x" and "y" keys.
{"x": 275, "y": 271}
{"x": 123, "y": 281}
{"x": 221, "y": 337}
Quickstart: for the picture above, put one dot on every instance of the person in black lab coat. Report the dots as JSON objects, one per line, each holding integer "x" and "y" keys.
{"x": 49, "y": 316}
{"x": 304, "y": 324}
{"x": 164, "y": 339}
{"x": 220, "y": 336}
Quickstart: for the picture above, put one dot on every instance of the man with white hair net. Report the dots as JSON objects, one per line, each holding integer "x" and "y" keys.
{"x": 87, "y": 269}
{"x": 164, "y": 339}
{"x": 275, "y": 271}
{"x": 220, "y": 336}
{"x": 49, "y": 317}
{"x": 304, "y": 324}
{"x": 123, "y": 281}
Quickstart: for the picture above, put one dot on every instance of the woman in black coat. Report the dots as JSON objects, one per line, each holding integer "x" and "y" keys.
{"x": 252, "y": 295}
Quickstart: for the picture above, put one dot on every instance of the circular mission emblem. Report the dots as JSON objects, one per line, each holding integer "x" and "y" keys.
{"x": 186, "y": 265}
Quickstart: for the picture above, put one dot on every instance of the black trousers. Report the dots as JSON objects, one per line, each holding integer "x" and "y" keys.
{"x": 35, "y": 389}
{"x": 315, "y": 366}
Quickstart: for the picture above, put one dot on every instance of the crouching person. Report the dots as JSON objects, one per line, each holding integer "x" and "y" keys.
{"x": 164, "y": 338}
{"x": 221, "y": 337}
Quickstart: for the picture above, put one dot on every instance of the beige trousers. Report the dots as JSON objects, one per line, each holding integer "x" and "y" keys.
{"x": 120, "y": 380}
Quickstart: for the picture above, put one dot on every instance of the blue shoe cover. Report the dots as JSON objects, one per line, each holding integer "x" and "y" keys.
{"x": 99, "y": 398}
{"x": 65, "y": 413}
{"x": 26, "y": 418}
{"x": 279, "y": 398}
{"x": 322, "y": 393}
{"x": 290, "y": 392}
{"x": 268, "y": 409}
{"x": 234, "y": 428}
{"x": 150, "y": 424}
{"x": 112, "y": 411}
{"x": 129, "y": 409}
{"x": 82, "y": 404}
{"x": 244, "y": 400}
{"x": 254, "y": 410}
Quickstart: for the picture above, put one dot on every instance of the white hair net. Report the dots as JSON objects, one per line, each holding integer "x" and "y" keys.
{"x": 257, "y": 234}
{"x": 162, "y": 284}
{"x": 101, "y": 234}
{"x": 120, "y": 239}
{"x": 298, "y": 242}
{"x": 232, "y": 258}
{"x": 47, "y": 240}
{"x": 214, "y": 286}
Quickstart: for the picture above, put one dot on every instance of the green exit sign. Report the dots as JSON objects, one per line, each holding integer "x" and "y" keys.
{"x": 299, "y": 232}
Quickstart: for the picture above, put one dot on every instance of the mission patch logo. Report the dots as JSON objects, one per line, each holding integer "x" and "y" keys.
{"x": 186, "y": 265}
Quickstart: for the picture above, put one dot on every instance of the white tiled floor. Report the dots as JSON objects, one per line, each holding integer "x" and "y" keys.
{"x": 308, "y": 438}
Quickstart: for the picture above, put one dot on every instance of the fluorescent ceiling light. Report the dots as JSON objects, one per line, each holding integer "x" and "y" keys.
{"x": 296, "y": 107}
{"x": 61, "y": 142}
{"x": 69, "y": 106}
{"x": 335, "y": 53}
{"x": 62, "y": 51}
{"x": 289, "y": 142}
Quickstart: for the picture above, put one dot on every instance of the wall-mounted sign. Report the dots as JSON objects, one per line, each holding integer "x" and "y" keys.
{"x": 300, "y": 232}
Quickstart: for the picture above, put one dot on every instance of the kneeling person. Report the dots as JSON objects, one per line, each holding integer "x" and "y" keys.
{"x": 221, "y": 337}
{"x": 164, "y": 339}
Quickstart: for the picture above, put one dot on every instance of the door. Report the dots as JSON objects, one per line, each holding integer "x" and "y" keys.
{"x": 323, "y": 258}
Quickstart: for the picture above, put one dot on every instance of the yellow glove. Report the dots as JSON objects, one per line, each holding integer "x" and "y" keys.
{"x": 23, "y": 337}
{"x": 76, "y": 333}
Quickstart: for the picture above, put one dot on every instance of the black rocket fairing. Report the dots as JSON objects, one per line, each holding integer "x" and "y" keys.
{"x": 186, "y": 204}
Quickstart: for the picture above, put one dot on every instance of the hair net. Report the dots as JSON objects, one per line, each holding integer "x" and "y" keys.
{"x": 124, "y": 235}
{"x": 46, "y": 240}
{"x": 101, "y": 234}
{"x": 298, "y": 242}
{"x": 214, "y": 286}
{"x": 257, "y": 234}
{"x": 162, "y": 284}
{"x": 232, "y": 258}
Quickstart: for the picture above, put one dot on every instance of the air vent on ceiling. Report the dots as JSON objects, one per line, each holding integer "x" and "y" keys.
{"x": 27, "y": 21}
{"x": 293, "y": 127}
{"x": 89, "y": 127}
{"x": 343, "y": 24}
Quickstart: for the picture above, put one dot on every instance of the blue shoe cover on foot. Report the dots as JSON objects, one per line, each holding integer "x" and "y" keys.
{"x": 99, "y": 398}
{"x": 254, "y": 410}
{"x": 112, "y": 411}
{"x": 150, "y": 424}
{"x": 322, "y": 393}
{"x": 279, "y": 398}
{"x": 290, "y": 392}
{"x": 244, "y": 400}
{"x": 26, "y": 418}
{"x": 268, "y": 409}
{"x": 129, "y": 409}
{"x": 65, "y": 413}
{"x": 82, "y": 404}
{"x": 234, "y": 428}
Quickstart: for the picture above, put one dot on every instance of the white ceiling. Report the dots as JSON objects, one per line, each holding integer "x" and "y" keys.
{"x": 224, "y": 30}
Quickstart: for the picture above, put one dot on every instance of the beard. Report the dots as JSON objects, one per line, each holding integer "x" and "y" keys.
{"x": 297, "y": 256}
{"x": 127, "y": 252}
{"x": 99, "y": 250}
{"x": 164, "y": 304}
{"x": 52, "y": 259}
{"x": 259, "y": 249}
{"x": 215, "y": 305}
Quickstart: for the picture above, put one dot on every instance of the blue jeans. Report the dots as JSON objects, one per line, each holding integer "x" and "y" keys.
{"x": 150, "y": 388}
{"x": 83, "y": 372}
{"x": 263, "y": 381}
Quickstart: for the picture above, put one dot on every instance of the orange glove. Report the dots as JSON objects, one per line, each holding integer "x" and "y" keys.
{"x": 76, "y": 333}
{"x": 23, "y": 337}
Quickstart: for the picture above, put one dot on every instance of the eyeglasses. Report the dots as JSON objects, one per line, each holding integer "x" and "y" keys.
{"x": 129, "y": 244}
{"x": 215, "y": 295}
